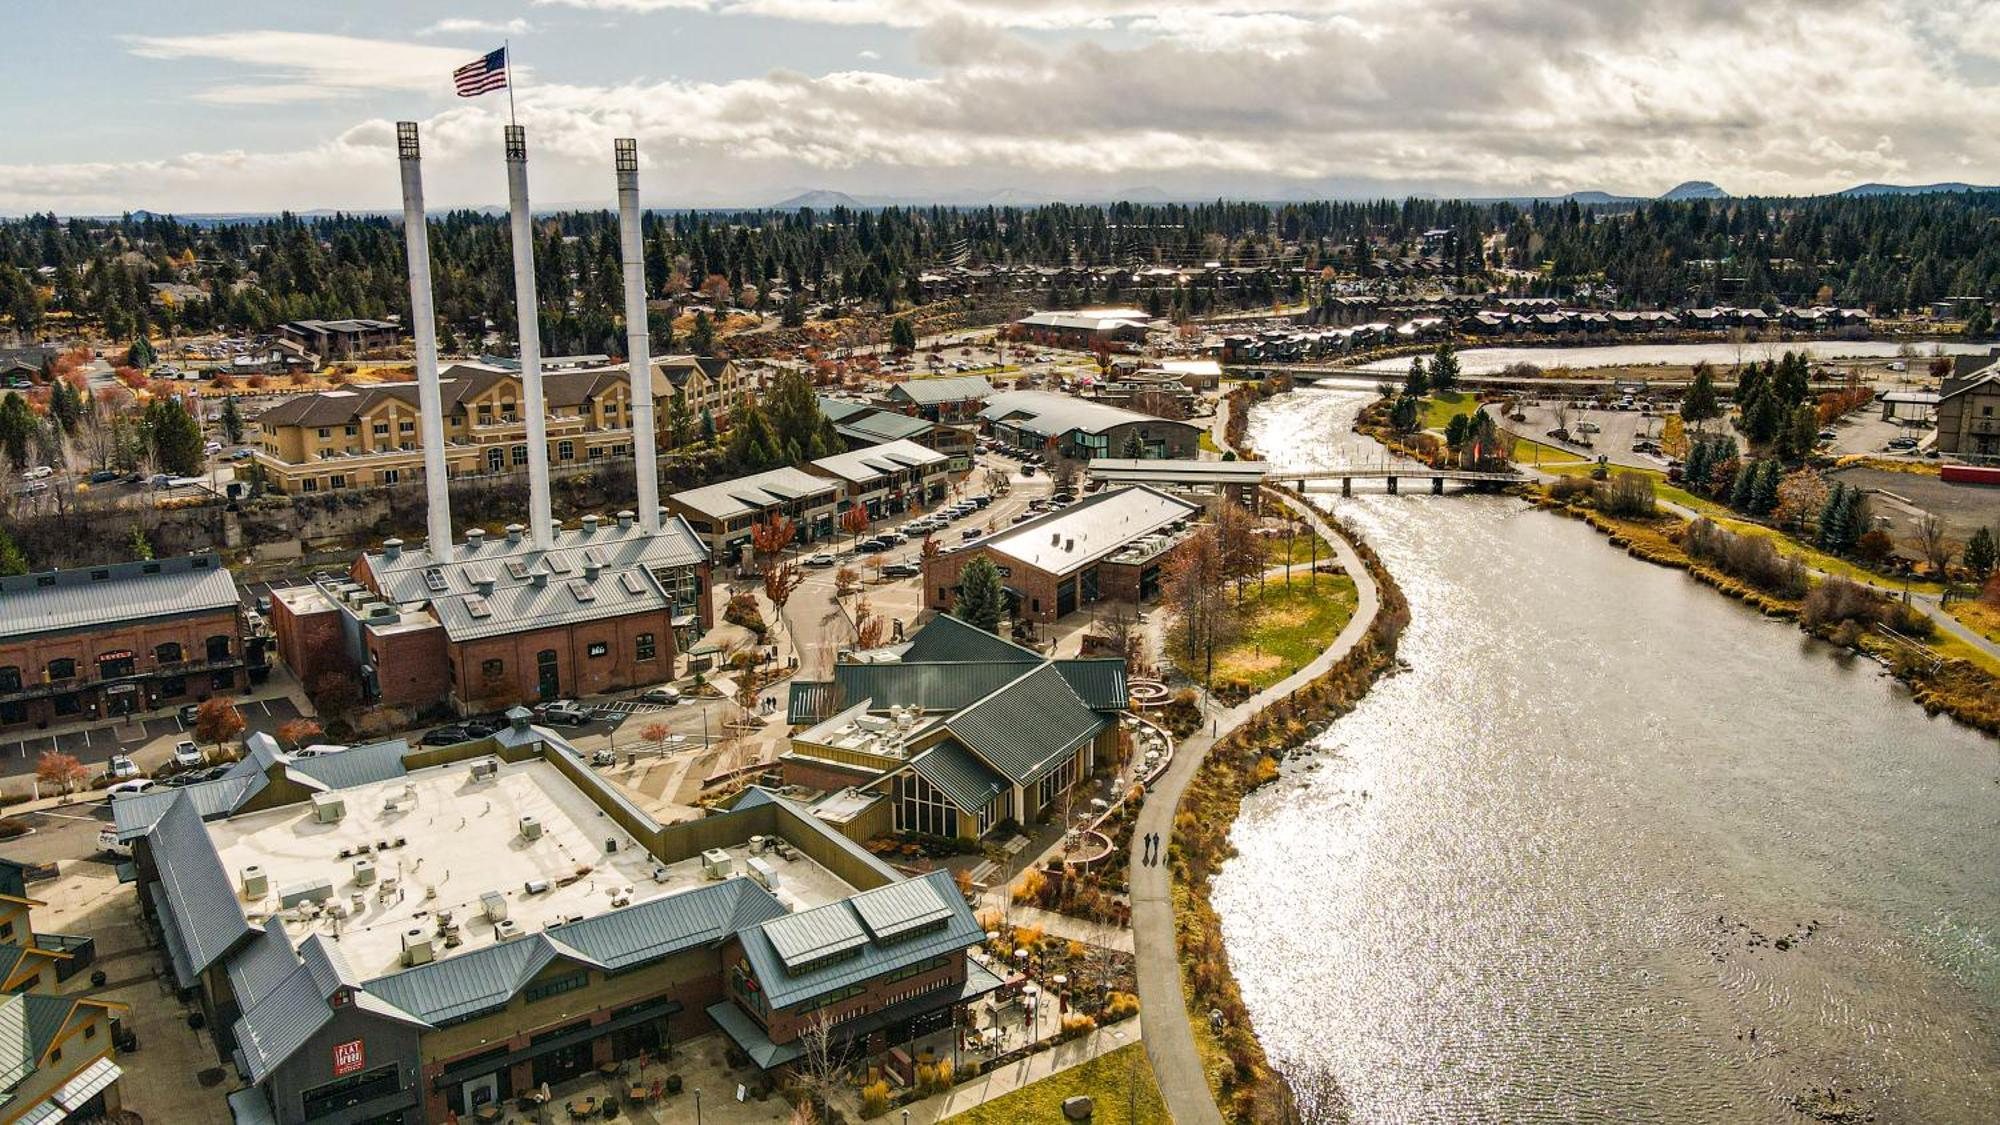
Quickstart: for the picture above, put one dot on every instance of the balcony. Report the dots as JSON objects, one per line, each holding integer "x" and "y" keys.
{"x": 89, "y": 683}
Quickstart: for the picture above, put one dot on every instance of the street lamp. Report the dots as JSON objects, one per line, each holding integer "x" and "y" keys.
{"x": 697, "y": 1105}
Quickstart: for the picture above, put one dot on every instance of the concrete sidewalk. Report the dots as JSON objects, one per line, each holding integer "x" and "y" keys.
{"x": 1162, "y": 1006}
{"x": 1015, "y": 1075}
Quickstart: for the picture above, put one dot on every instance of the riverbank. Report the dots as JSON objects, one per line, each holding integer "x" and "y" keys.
{"x": 1239, "y": 1074}
{"x": 1938, "y": 681}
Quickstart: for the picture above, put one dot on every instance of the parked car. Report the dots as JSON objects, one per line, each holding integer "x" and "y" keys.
{"x": 970, "y": 534}
{"x": 121, "y": 767}
{"x": 103, "y": 476}
{"x": 903, "y": 570}
{"x": 605, "y": 757}
{"x": 1027, "y": 470}
{"x": 188, "y": 713}
{"x": 1827, "y": 435}
{"x": 869, "y": 545}
{"x": 1902, "y": 443}
{"x": 243, "y": 454}
{"x": 447, "y": 736}
{"x": 39, "y": 472}
{"x": 187, "y": 755}
{"x": 485, "y": 725}
{"x": 1024, "y": 517}
{"x": 211, "y": 447}
{"x": 981, "y": 500}
{"x": 567, "y": 712}
{"x": 893, "y": 538}
{"x": 130, "y": 788}
{"x": 107, "y": 840}
{"x": 822, "y": 559}
{"x": 666, "y": 694}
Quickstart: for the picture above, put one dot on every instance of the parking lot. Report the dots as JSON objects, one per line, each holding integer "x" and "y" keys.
{"x": 94, "y": 745}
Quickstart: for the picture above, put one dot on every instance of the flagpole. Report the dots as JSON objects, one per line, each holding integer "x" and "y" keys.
{"x": 507, "y": 48}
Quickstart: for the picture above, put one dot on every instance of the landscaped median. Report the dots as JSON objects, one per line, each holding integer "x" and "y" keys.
{"x": 1245, "y": 1086}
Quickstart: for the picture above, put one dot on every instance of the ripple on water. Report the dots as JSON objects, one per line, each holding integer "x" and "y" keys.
{"x": 1540, "y": 875}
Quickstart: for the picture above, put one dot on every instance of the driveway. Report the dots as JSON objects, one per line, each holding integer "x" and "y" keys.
{"x": 93, "y": 745}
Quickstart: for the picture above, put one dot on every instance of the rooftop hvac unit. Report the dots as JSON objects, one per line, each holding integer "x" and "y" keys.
{"x": 256, "y": 884}
{"x": 531, "y": 828}
{"x": 506, "y": 929}
{"x": 418, "y": 948}
{"x": 610, "y": 844}
{"x": 316, "y": 890}
{"x": 336, "y": 907}
{"x": 536, "y": 886}
{"x": 716, "y": 864}
{"x": 756, "y": 845}
{"x": 357, "y": 902}
{"x": 661, "y": 874}
{"x": 762, "y": 871}
{"x": 364, "y": 872}
{"x": 328, "y": 808}
{"x": 494, "y": 905}
{"x": 485, "y": 769}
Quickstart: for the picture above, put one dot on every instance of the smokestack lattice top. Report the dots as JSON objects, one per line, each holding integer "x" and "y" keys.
{"x": 406, "y": 140}
{"x": 625, "y": 151}
{"x": 517, "y": 143}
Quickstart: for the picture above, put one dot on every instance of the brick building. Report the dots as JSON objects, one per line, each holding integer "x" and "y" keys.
{"x": 606, "y": 608}
{"x": 1108, "y": 547}
{"x": 102, "y": 641}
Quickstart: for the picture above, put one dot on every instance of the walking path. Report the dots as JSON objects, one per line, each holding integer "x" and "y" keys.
{"x": 1162, "y": 1006}
{"x": 1015, "y": 1075}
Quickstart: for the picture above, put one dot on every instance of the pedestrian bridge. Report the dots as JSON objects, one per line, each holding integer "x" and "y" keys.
{"x": 1242, "y": 478}
{"x": 1392, "y": 475}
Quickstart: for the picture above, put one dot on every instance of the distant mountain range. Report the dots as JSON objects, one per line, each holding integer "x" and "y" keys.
{"x": 1914, "y": 189}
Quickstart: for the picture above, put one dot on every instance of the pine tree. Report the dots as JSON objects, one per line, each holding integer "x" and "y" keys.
{"x": 980, "y": 595}
{"x": 138, "y": 545}
{"x": 11, "y": 559}
{"x": 1829, "y": 516}
{"x": 707, "y": 426}
{"x": 902, "y": 335}
{"x": 1980, "y": 555}
{"x": 232, "y": 421}
{"x": 1744, "y": 487}
{"x": 1764, "y": 492}
{"x": 1133, "y": 449}
{"x": 141, "y": 354}
{"x": 1761, "y": 419}
{"x": 1697, "y": 468}
{"x": 17, "y": 428}
{"x": 175, "y": 437}
{"x": 1444, "y": 369}
{"x": 1417, "y": 384}
{"x": 1699, "y": 405}
{"x": 1803, "y": 433}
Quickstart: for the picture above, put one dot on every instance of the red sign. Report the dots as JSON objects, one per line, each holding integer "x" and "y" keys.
{"x": 347, "y": 1058}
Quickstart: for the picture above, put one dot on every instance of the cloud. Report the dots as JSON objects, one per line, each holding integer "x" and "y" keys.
{"x": 630, "y": 5}
{"x": 460, "y": 26}
{"x": 1198, "y": 99}
{"x": 866, "y": 53}
{"x": 293, "y": 66}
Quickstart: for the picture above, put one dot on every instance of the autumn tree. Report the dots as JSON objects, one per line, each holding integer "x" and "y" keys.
{"x": 854, "y": 521}
{"x": 1931, "y": 543}
{"x": 770, "y": 536}
{"x": 299, "y": 732}
{"x": 781, "y": 579}
{"x": 656, "y": 733}
{"x": 1195, "y": 591}
{"x": 60, "y": 771}
{"x": 217, "y": 721}
{"x": 869, "y": 627}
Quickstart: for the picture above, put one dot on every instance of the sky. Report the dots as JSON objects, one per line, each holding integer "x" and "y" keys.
{"x": 222, "y": 106}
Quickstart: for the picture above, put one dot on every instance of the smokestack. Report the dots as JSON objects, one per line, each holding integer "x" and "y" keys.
{"x": 527, "y": 319}
{"x": 423, "y": 322}
{"x": 638, "y": 345}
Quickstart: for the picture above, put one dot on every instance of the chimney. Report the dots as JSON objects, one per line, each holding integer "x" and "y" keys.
{"x": 423, "y": 324}
{"x": 590, "y": 569}
{"x": 540, "y": 578}
{"x": 625, "y": 520}
{"x": 638, "y": 349}
{"x": 475, "y": 538}
{"x": 590, "y": 525}
{"x": 513, "y": 533}
{"x": 485, "y": 584}
{"x": 533, "y": 407}
{"x": 392, "y": 549}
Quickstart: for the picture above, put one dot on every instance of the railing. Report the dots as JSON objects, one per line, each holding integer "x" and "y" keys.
{"x": 82, "y": 683}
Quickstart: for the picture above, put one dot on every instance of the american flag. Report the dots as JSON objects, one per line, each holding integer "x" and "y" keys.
{"x": 482, "y": 76}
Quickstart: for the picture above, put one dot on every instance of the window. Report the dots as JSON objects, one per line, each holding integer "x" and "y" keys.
{"x": 171, "y": 686}
{"x": 391, "y": 476}
{"x": 492, "y": 669}
{"x": 310, "y": 485}
{"x": 596, "y": 452}
{"x": 327, "y": 433}
{"x": 644, "y": 648}
{"x": 381, "y": 429}
{"x": 597, "y": 649}
{"x": 351, "y": 431}
{"x": 62, "y": 669}
{"x": 6, "y": 931}
{"x": 565, "y": 451}
{"x": 69, "y": 704}
{"x": 169, "y": 653}
{"x": 345, "y": 1093}
{"x": 520, "y": 455}
{"x": 55, "y": 1053}
{"x": 542, "y": 990}
{"x": 218, "y": 647}
{"x": 406, "y": 427}
{"x": 90, "y": 1031}
{"x": 496, "y": 460}
{"x": 337, "y": 480}
{"x": 10, "y": 678}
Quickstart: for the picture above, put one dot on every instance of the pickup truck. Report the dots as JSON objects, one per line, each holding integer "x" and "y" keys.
{"x": 566, "y": 712}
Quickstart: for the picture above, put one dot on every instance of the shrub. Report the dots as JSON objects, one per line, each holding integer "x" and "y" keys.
{"x": 1566, "y": 489}
{"x": 1120, "y": 1005}
{"x": 1076, "y": 1023}
{"x": 875, "y": 1099}
{"x": 1752, "y": 558}
{"x": 1030, "y": 887}
{"x": 1628, "y": 496}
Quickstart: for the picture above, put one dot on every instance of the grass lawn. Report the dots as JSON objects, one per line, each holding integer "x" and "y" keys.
{"x": 1285, "y": 628}
{"x": 1441, "y": 407}
{"x": 1978, "y": 617}
{"x": 1106, "y": 1078}
{"x": 1527, "y": 451}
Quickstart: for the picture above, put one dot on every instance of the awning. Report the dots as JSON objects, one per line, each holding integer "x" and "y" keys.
{"x": 96, "y": 1077}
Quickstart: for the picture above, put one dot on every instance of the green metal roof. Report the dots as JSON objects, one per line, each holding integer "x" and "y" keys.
{"x": 1028, "y": 727}
{"x": 959, "y": 775}
{"x": 927, "y": 686}
{"x": 1100, "y": 683}
{"x": 945, "y": 637}
{"x": 873, "y": 956}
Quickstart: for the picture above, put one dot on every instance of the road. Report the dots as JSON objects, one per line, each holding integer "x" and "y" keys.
{"x": 94, "y": 745}
{"x": 1162, "y": 1008}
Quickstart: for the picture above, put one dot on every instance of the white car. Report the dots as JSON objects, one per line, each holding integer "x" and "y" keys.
{"x": 39, "y": 472}
{"x": 212, "y": 447}
{"x": 820, "y": 559}
{"x": 130, "y": 788}
{"x": 121, "y": 767}
{"x": 663, "y": 694}
{"x": 187, "y": 755}
{"x": 107, "y": 840}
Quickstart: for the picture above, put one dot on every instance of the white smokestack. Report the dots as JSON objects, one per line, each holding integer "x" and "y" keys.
{"x": 423, "y": 322}
{"x": 638, "y": 348}
{"x": 540, "y": 521}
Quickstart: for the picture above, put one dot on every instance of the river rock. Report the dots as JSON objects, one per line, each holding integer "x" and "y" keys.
{"x": 1077, "y": 1108}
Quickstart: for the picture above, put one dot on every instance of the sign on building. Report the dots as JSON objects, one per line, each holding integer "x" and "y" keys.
{"x": 348, "y": 1058}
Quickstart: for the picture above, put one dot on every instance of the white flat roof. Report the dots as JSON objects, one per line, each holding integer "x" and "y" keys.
{"x": 1101, "y": 525}
{"x": 462, "y": 839}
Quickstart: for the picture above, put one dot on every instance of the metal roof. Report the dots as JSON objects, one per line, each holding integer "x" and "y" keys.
{"x": 956, "y": 388}
{"x": 1099, "y": 682}
{"x": 925, "y": 685}
{"x": 1069, "y": 539}
{"x": 264, "y": 962}
{"x": 753, "y": 494}
{"x": 945, "y": 637}
{"x": 784, "y": 988}
{"x": 362, "y": 765}
{"x": 1027, "y": 728}
{"x": 809, "y": 701}
{"x": 826, "y": 931}
{"x": 1178, "y": 470}
{"x": 882, "y": 427}
{"x": 468, "y": 983}
{"x": 202, "y": 909}
{"x": 1051, "y": 414}
{"x": 959, "y": 775}
{"x": 867, "y": 466}
{"x": 61, "y": 600}
{"x": 899, "y": 908}
{"x": 287, "y": 1017}
{"x": 135, "y": 816}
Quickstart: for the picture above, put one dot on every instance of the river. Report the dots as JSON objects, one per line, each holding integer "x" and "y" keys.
{"x": 1540, "y": 874}
{"x": 1492, "y": 361}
